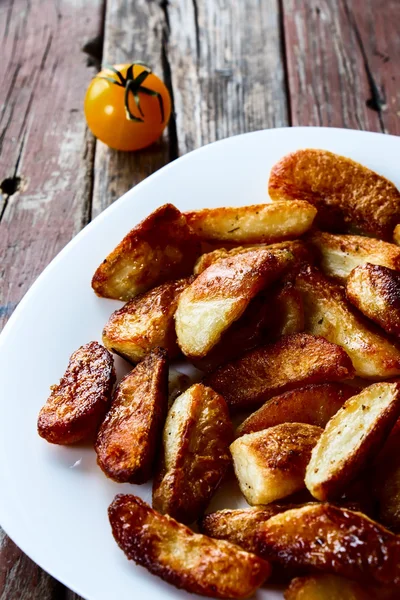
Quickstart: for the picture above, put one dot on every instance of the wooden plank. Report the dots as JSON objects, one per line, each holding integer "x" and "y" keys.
{"x": 46, "y": 155}
{"x": 46, "y": 162}
{"x": 134, "y": 30}
{"x": 336, "y": 53}
{"x": 226, "y": 68}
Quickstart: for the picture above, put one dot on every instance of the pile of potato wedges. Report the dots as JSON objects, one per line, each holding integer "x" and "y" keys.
{"x": 290, "y": 312}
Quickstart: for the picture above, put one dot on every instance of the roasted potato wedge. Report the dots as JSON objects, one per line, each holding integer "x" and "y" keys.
{"x": 346, "y": 194}
{"x": 130, "y": 435}
{"x": 386, "y": 481}
{"x": 340, "y": 254}
{"x": 293, "y": 361}
{"x": 195, "y": 454}
{"x": 248, "y": 332}
{"x": 78, "y": 403}
{"x": 375, "y": 291}
{"x": 146, "y": 322}
{"x": 238, "y": 526}
{"x": 325, "y": 537}
{"x": 220, "y": 295}
{"x": 327, "y": 587}
{"x": 396, "y": 235}
{"x": 271, "y": 464}
{"x": 351, "y": 438}
{"x": 161, "y": 248}
{"x": 285, "y": 311}
{"x": 312, "y": 404}
{"x": 328, "y": 313}
{"x": 253, "y": 224}
{"x": 300, "y": 252}
{"x": 190, "y": 561}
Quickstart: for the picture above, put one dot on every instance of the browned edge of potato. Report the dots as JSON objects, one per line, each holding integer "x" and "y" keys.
{"x": 291, "y": 362}
{"x": 146, "y": 322}
{"x": 258, "y": 223}
{"x": 189, "y": 561}
{"x": 385, "y": 479}
{"x": 129, "y": 437}
{"x": 271, "y": 464}
{"x": 340, "y": 254}
{"x": 220, "y": 295}
{"x": 328, "y": 587}
{"x": 331, "y": 539}
{"x": 314, "y": 404}
{"x": 195, "y": 453}
{"x": 375, "y": 291}
{"x": 346, "y": 194}
{"x": 329, "y": 314}
{"x": 160, "y": 248}
{"x": 79, "y": 402}
{"x": 351, "y": 438}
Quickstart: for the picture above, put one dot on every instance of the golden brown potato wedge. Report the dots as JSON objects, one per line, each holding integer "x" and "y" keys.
{"x": 146, "y": 322}
{"x": 396, "y": 235}
{"x": 161, "y": 248}
{"x": 189, "y": 561}
{"x": 285, "y": 311}
{"x": 299, "y": 249}
{"x": 248, "y": 332}
{"x": 346, "y": 194}
{"x": 328, "y": 313}
{"x": 327, "y": 587}
{"x": 255, "y": 224}
{"x": 386, "y": 481}
{"x": 312, "y": 404}
{"x": 220, "y": 295}
{"x": 340, "y": 254}
{"x": 78, "y": 403}
{"x": 375, "y": 291}
{"x": 351, "y": 438}
{"x": 130, "y": 435}
{"x": 238, "y": 526}
{"x": 332, "y": 539}
{"x": 293, "y": 361}
{"x": 271, "y": 464}
{"x": 195, "y": 453}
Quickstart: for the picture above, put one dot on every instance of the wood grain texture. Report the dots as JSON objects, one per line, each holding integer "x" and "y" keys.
{"x": 341, "y": 63}
{"x": 46, "y": 155}
{"x": 134, "y": 30}
{"x": 226, "y": 67}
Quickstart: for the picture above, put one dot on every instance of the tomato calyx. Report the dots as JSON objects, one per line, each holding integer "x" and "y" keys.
{"x": 133, "y": 85}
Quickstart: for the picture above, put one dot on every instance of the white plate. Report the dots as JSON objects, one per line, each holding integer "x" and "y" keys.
{"x": 54, "y": 500}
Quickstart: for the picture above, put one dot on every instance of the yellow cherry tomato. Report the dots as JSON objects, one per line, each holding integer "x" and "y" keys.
{"x": 127, "y": 107}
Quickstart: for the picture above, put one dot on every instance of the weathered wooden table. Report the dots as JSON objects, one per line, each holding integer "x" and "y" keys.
{"x": 232, "y": 67}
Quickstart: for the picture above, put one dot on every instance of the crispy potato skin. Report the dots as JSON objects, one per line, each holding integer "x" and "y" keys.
{"x": 386, "y": 481}
{"x": 326, "y": 587}
{"x": 195, "y": 453}
{"x": 346, "y": 194}
{"x": 351, "y": 438}
{"x": 146, "y": 322}
{"x": 285, "y": 311}
{"x": 189, "y": 561}
{"x": 324, "y": 537}
{"x": 130, "y": 435}
{"x": 271, "y": 464}
{"x": 253, "y": 224}
{"x": 238, "y": 526}
{"x": 375, "y": 291}
{"x": 159, "y": 249}
{"x": 248, "y": 332}
{"x": 329, "y": 314}
{"x": 312, "y": 404}
{"x": 396, "y": 235}
{"x": 78, "y": 403}
{"x": 293, "y": 361}
{"x": 220, "y": 295}
{"x": 299, "y": 249}
{"x": 340, "y": 254}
